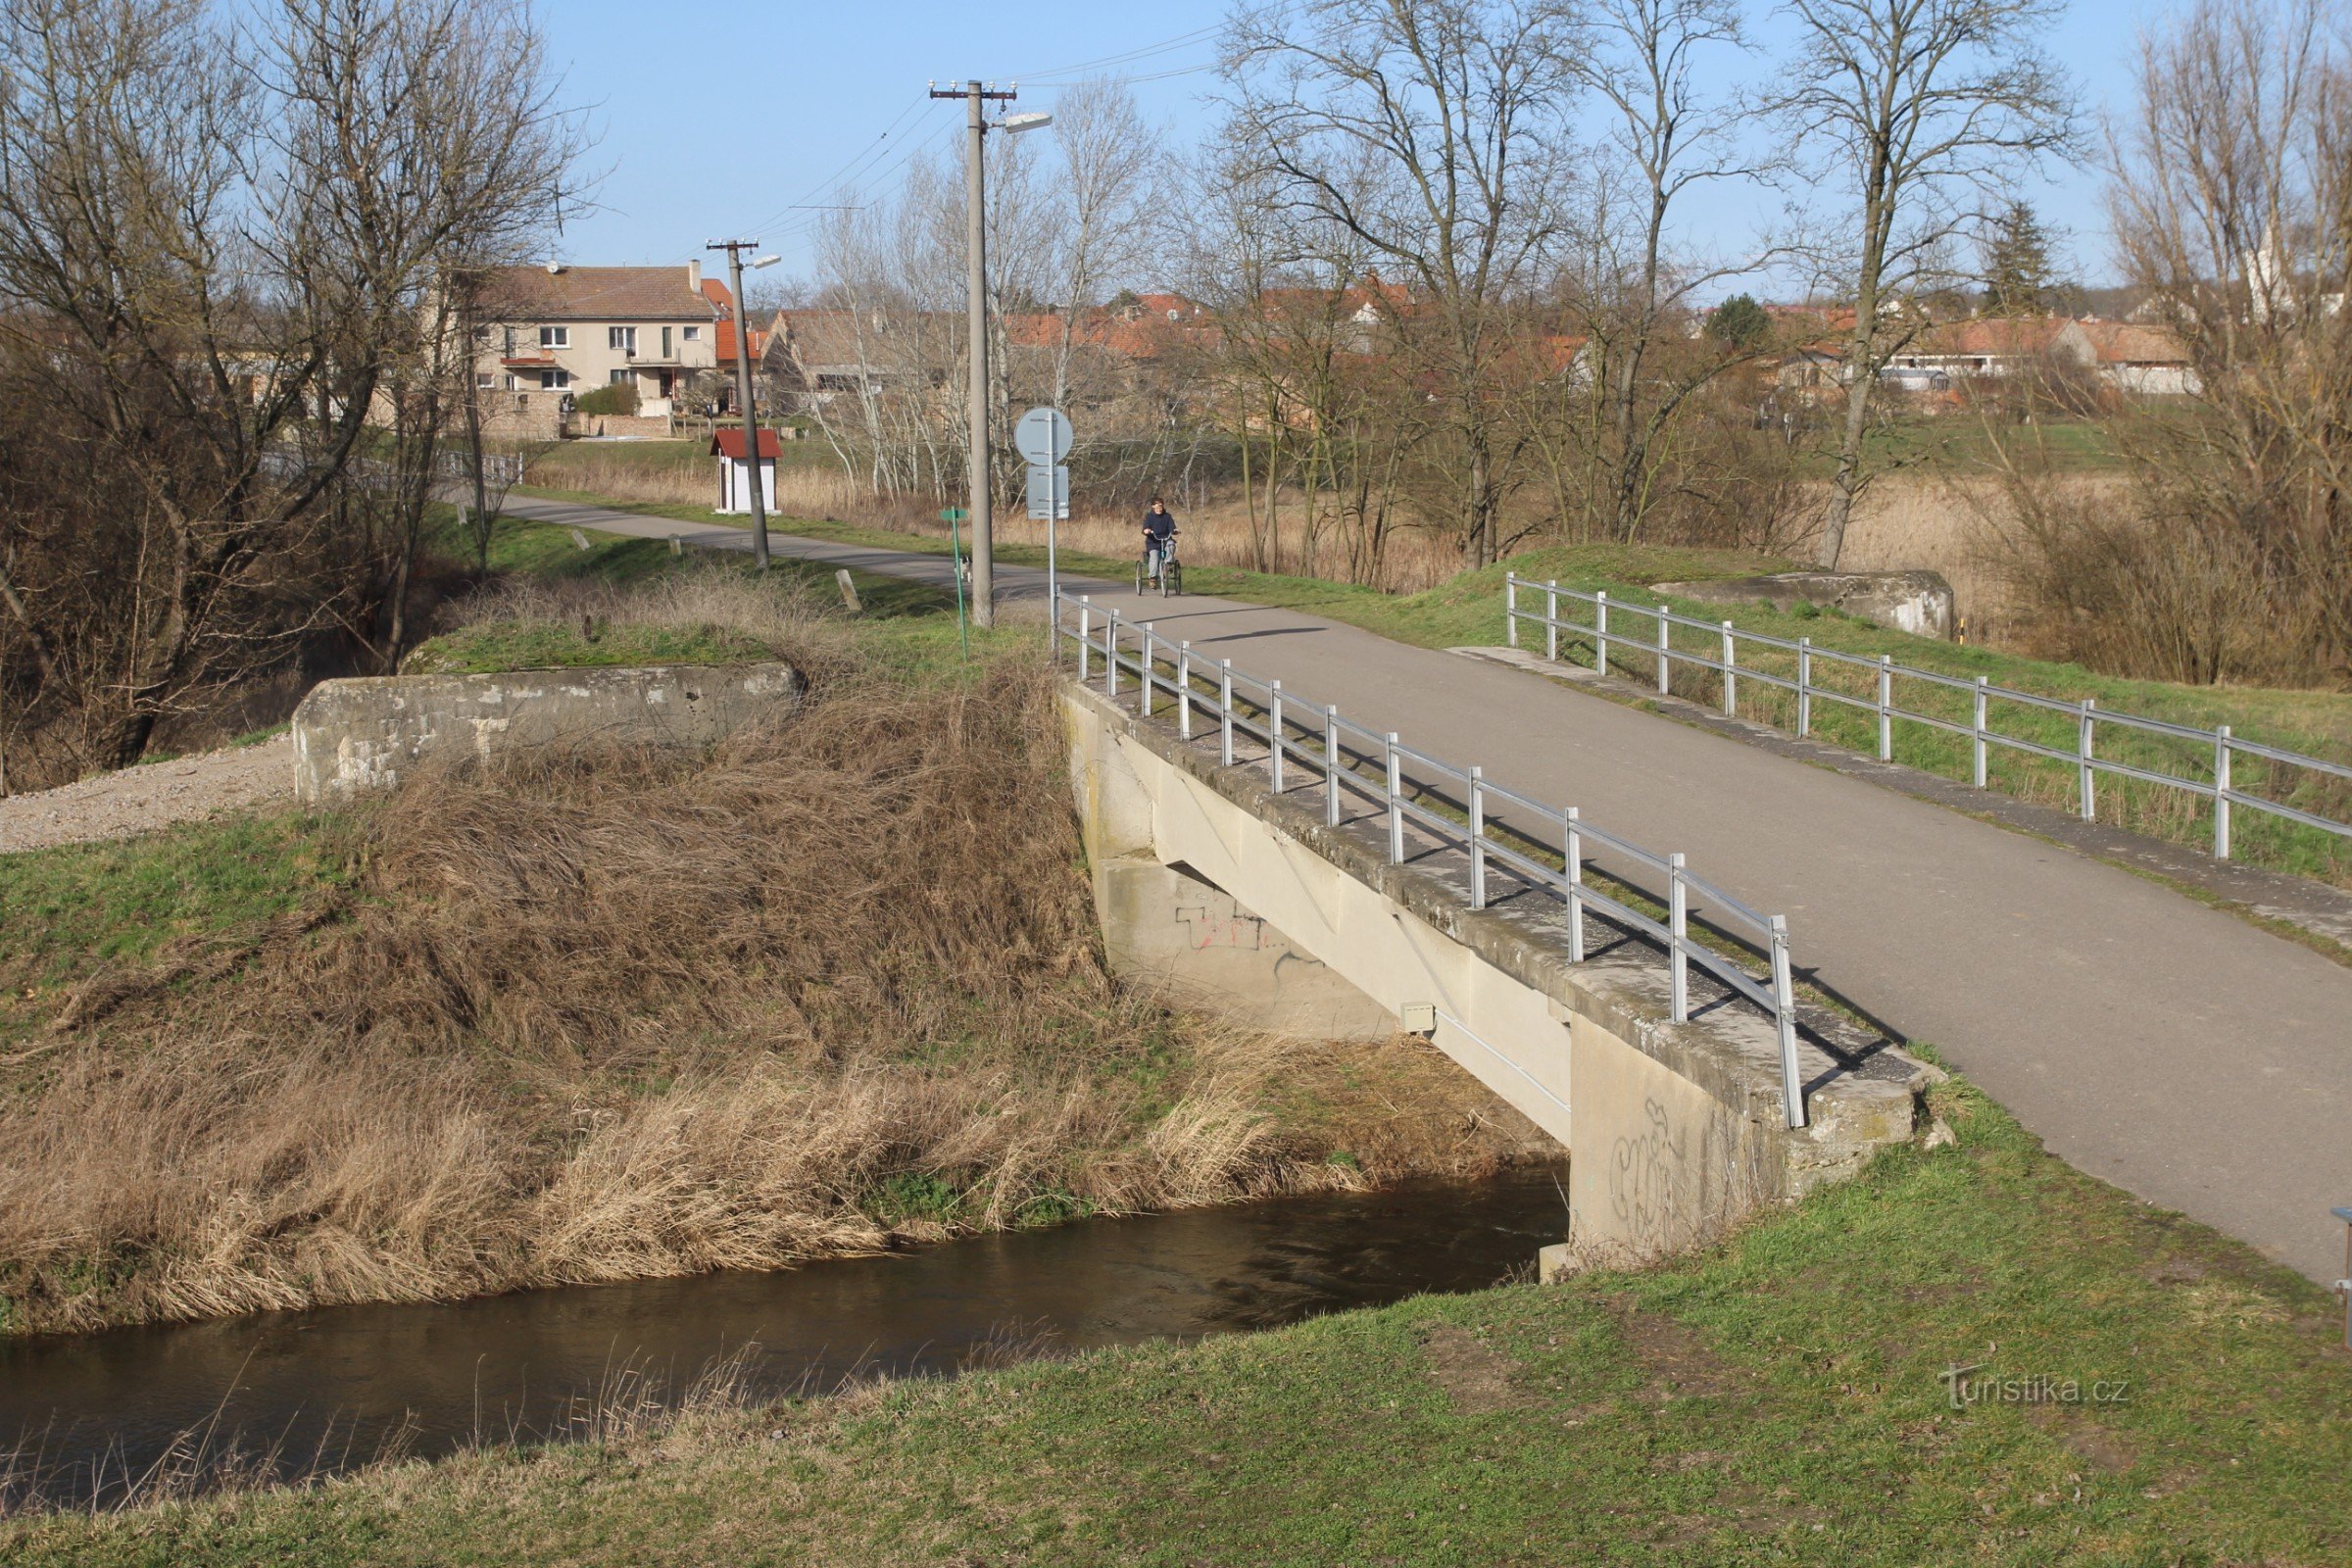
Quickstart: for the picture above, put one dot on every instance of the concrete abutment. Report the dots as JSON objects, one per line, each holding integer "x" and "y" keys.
{"x": 1675, "y": 1132}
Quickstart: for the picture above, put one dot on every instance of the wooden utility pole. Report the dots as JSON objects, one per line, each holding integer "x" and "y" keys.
{"x": 743, "y": 390}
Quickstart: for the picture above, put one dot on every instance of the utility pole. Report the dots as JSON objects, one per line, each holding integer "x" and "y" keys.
{"x": 743, "y": 388}
{"x": 976, "y": 96}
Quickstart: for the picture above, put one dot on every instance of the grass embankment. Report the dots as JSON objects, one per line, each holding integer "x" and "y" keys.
{"x": 835, "y": 984}
{"x": 1782, "y": 1398}
{"x": 1468, "y": 610}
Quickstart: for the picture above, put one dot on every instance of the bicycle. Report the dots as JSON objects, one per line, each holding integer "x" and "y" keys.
{"x": 1160, "y": 567}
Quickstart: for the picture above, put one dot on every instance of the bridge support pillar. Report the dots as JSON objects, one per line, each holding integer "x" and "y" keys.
{"x": 1169, "y": 929}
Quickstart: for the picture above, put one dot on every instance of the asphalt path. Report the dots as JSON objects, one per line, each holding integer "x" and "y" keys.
{"x": 2191, "y": 1059}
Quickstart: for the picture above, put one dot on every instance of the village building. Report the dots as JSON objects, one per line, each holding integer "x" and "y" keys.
{"x": 546, "y": 334}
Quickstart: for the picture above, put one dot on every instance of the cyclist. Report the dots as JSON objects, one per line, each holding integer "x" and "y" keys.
{"x": 1159, "y": 528}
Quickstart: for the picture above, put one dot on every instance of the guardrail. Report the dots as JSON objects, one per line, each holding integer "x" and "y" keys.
{"x": 2087, "y": 714}
{"x": 1297, "y": 732}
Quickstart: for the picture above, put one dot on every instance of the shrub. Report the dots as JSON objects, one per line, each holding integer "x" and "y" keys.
{"x": 618, "y": 398}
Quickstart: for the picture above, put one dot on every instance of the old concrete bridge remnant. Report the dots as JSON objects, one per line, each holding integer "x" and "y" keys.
{"x": 1236, "y": 896}
{"x": 360, "y": 735}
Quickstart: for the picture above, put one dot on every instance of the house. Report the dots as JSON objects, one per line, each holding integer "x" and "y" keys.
{"x": 734, "y": 472}
{"x": 1972, "y": 350}
{"x": 2141, "y": 360}
{"x": 551, "y": 331}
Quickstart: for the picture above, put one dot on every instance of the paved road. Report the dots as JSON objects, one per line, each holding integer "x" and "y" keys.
{"x": 2184, "y": 1056}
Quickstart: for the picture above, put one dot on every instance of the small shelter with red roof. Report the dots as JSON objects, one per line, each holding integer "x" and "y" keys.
{"x": 734, "y": 471}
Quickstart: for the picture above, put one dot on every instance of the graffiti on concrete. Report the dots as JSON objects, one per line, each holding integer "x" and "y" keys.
{"x": 1225, "y": 928}
{"x": 1643, "y": 1189}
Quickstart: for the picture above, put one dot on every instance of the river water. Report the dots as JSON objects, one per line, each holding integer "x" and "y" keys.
{"x": 325, "y": 1389}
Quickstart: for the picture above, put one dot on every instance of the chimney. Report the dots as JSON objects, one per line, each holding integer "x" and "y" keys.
{"x": 694, "y": 276}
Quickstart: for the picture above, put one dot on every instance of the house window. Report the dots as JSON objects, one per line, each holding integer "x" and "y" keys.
{"x": 555, "y": 337}
{"x": 619, "y": 377}
{"x": 554, "y": 380}
{"x": 666, "y": 345}
{"x": 624, "y": 338}
{"x": 513, "y": 384}
{"x": 510, "y": 331}
{"x": 484, "y": 380}
{"x": 694, "y": 334}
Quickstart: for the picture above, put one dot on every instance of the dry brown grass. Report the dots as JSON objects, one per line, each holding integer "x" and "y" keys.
{"x": 612, "y": 1015}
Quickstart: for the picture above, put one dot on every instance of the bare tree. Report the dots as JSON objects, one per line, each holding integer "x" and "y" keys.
{"x": 1930, "y": 107}
{"x": 1642, "y": 62}
{"x": 2231, "y": 206}
{"x": 1434, "y": 132}
{"x": 221, "y": 244}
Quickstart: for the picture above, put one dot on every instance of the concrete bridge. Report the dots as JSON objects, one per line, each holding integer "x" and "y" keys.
{"x": 2189, "y": 1056}
{"x": 1328, "y": 893}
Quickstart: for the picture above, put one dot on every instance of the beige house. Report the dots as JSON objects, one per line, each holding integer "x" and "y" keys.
{"x": 549, "y": 333}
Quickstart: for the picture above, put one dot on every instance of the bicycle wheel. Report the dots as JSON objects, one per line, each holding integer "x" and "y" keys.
{"x": 1171, "y": 580}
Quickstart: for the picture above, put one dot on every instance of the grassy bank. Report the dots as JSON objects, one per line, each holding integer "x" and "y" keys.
{"x": 1784, "y": 1399}
{"x": 1468, "y": 610}
{"x": 834, "y": 986}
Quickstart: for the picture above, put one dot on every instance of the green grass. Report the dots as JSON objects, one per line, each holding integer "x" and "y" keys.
{"x": 548, "y": 645}
{"x": 1780, "y": 1400}
{"x": 75, "y": 908}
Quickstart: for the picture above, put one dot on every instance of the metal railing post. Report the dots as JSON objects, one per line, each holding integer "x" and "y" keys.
{"x": 1575, "y": 859}
{"x": 2221, "y": 793}
{"x": 1665, "y": 649}
{"x": 1477, "y": 838}
{"x": 1804, "y": 686}
{"x": 1510, "y": 608}
{"x": 1110, "y": 655}
{"x": 1086, "y": 638}
{"x": 1225, "y": 709}
{"x": 1551, "y": 618}
{"x": 1975, "y": 731}
{"x": 1142, "y": 646}
{"x": 1600, "y": 633}
{"x": 1678, "y": 908}
{"x": 1395, "y": 803}
{"x": 1784, "y": 1006}
{"x": 1184, "y": 690}
{"x": 1274, "y": 734}
{"x": 1731, "y": 682}
{"x": 2083, "y": 752}
{"x": 1886, "y": 708}
{"x": 1331, "y": 765}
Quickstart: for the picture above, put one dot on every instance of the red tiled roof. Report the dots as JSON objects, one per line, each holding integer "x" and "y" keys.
{"x": 729, "y": 443}
{"x": 594, "y": 294}
{"x": 2128, "y": 343}
{"x": 1990, "y": 336}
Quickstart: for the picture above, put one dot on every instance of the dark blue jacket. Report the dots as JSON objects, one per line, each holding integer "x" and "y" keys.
{"x": 1160, "y": 524}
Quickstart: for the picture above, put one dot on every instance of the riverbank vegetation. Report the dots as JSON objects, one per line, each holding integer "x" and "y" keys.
{"x": 1971, "y": 1354}
{"x": 833, "y": 986}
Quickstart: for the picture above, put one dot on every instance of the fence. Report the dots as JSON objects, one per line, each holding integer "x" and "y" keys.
{"x": 1298, "y": 733}
{"x": 2087, "y": 717}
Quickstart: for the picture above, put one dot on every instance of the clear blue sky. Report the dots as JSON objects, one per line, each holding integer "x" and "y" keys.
{"x": 839, "y": 88}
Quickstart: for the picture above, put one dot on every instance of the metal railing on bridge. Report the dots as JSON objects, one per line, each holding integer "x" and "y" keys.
{"x": 1656, "y": 643}
{"x": 1297, "y": 733}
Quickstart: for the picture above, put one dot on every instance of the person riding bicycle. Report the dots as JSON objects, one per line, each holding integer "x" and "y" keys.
{"x": 1159, "y": 531}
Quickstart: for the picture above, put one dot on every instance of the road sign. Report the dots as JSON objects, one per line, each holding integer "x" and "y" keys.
{"x": 1043, "y": 435}
{"x": 1054, "y": 482}
{"x": 952, "y": 514}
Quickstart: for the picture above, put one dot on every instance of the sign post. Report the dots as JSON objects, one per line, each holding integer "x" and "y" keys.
{"x": 1042, "y": 438}
{"x": 954, "y": 517}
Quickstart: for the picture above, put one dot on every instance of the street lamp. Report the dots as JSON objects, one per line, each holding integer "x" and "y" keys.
{"x": 975, "y": 95}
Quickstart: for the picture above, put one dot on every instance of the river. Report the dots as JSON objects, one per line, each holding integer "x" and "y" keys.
{"x": 306, "y": 1393}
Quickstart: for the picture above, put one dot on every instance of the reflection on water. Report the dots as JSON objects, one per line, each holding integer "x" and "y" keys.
{"x": 332, "y": 1387}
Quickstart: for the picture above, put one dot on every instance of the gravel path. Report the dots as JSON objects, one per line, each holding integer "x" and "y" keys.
{"x": 116, "y": 805}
